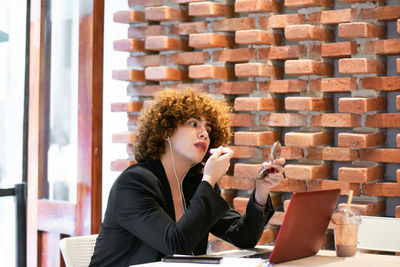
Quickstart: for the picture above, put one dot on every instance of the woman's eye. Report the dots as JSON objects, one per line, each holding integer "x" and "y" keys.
{"x": 193, "y": 123}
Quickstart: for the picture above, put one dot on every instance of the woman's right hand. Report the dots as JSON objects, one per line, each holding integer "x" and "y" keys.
{"x": 217, "y": 165}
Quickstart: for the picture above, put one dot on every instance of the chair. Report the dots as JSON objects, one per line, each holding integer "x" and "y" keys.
{"x": 77, "y": 251}
{"x": 379, "y": 233}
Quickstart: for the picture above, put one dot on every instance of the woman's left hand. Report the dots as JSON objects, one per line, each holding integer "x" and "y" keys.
{"x": 264, "y": 185}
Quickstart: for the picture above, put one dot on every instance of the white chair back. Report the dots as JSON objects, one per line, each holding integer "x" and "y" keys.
{"x": 77, "y": 251}
{"x": 379, "y": 233}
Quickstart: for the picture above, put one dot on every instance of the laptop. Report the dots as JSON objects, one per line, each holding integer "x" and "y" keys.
{"x": 303, "y": 228}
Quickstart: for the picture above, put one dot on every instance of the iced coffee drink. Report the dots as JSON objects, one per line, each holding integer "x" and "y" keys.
{"x": 346, "y": 229}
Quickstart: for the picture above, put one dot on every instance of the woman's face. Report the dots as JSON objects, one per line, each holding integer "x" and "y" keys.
{"x": 190, "y": 141}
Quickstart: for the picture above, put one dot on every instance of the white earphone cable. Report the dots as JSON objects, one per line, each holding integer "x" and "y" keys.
{"x": 176, "y": 176}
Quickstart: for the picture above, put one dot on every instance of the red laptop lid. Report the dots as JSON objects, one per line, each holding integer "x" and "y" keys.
{"x": 304, "y": 225}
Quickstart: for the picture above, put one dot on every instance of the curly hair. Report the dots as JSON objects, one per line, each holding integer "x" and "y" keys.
{"x": 173, "y": 108}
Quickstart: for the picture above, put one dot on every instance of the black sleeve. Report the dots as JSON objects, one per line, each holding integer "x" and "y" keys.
{"x": 244, "y": 231}
{"x": 139, "y": 207}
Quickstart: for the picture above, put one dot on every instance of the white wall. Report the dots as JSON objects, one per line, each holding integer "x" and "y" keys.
{"x": 113, "y": 91}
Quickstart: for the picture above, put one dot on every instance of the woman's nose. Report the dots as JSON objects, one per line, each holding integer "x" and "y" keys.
{"x": 203, "y": 133}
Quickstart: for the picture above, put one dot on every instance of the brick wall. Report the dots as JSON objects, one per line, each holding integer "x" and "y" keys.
{"x": 321, "y": 76}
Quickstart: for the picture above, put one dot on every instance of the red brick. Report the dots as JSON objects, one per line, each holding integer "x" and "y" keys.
{"x": 381, "y": 13}
{"x": 361, "y": 66}
{"x": 146, "y": 61}
{"x": 283, "y": 86}
{"x": 234, "y": 55}
{"x": 209, "y": 40}
{"x": 336, "y": 120}
{"x": 382, "y": 189}
{"x": 240, "y": 204}
{"x": 397, "y": 216}
{"x": 257, "y": 103}
{"x": 283, "y": 120}
{"x": 289, "y": 185}
{"x": 361, "y": 30}
{"x": 210, "y": 9}
{"x": 308, "y": 3}
{"x": 383, "y": 47}
{"x": 244, "y": 170}
{"x": 128, "y": 75}
{"x": 307, "y": 172}
{"x": 121, "y": 164}
{"x": 129, "y": 16}
{"x": 244, "y": 152}
{"x": 257, "y": 37}
{"x": 288, "y": 153}
{"x": 126, "y": 138}
{"x": 255, "y": 138}
{"x": 398, "y": 64}
{"x": 332, "y": 184}
{"x": 234, "y": 88}
{"x": 129, "y": 45}
{"x": 398, "y": 140}
{"x": 380, "y": 155}
{"x": 233, "y": 24}
{"x": 258, "y": 70}
{"x": 280, "y": 21}
{"x": 334, "y": 84}
{"x": 281, "y": 52}
{"x": 361, "y": 104}
{"x": 189, "y": 58}
{"x": 398, "y": 25}
{"x": 382, "y": 83}
{"x": 386, "y": 120}
{"x": 308, "y": 67}
{"x": 332, "y": 153}
{"x": 209, "y": 72}
{"x": 132, "y": 106}
{"x": 359, "y": 1}
{"x": 337, "y": 16}
{"x": 133, "y": 3}
{"x": 164, "y": 13}
{"x": 199, "y": 87}
{"x": 142, "y": 90}
{"x": 398, "y": 102}
{"x": 257, "y": 6}
{"x": 268, "y": 236}
{"x": 308, "y": 103}
{"x": 338, "y": 50}
{"x": 308, "y": 139}
{"x": 361, "y": 140}
{"x": 361, "y": 174}
{"x": 164, "y": 73}
{"x": 367, "y": 208}
{"x": 187, "y": 28}
{"x": 163, "y": 43}
{"x": 308, "y": 32}
{"x": 141, "y": 32}
{"x": 241, "y": 120}
{"x": 398, "y": 170}
{"x": 233, "y": 182}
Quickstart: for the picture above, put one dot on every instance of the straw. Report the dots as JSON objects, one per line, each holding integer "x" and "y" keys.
{"x": 350, "y": 198}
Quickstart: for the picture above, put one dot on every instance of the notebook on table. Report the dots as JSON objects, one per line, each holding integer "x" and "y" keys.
{"x": 303, "y": 228}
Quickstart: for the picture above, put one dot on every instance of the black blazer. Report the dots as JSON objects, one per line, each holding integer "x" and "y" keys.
{"x": 139, "y": 224}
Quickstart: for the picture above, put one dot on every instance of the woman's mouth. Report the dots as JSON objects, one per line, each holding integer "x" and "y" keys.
{"x": 201, "y": 146}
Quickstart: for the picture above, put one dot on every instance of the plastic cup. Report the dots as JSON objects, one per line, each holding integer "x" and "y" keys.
{"x": 345, "y": 223}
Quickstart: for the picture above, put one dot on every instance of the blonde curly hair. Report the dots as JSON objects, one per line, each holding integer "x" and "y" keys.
{"x": 173, "y": 108}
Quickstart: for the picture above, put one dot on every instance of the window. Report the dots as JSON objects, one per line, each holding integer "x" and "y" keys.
{"x": 12, "y": 89}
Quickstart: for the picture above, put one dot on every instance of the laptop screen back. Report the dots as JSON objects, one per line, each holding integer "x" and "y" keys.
{"x": 304, "y": 225}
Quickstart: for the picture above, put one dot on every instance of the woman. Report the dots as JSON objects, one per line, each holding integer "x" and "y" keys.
{"x": 169, "y": 201}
